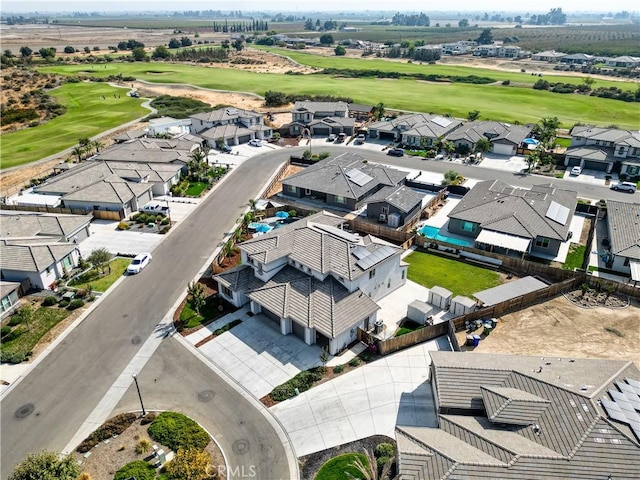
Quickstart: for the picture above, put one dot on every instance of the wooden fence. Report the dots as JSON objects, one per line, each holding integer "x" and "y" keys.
{"x": 382, "y": 231}
{"x": 98, "y": 214}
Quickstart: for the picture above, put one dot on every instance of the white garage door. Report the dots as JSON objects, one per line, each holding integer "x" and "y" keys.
{"x": 503, "y": 149}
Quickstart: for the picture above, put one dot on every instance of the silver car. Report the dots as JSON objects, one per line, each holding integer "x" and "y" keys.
{"x": 625, "y": 187}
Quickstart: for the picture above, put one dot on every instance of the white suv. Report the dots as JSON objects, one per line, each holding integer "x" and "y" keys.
{"x": 625, "y": 187}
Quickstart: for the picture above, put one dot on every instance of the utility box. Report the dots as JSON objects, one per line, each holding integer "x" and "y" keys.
{"x": 462, "y": 305}
{"x": 419, "y": 312}
{"x": 440, "y": 297}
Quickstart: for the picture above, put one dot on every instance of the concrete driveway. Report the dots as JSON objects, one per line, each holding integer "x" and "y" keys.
{"x": 367, "y": 401}
{"x": 105, "y": 234}
{"x": 590, "y": 177}
{"x": 504, "y": 163}
{"x": 258, "y": 356}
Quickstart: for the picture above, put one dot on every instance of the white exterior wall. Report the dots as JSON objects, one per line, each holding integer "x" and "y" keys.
{"x": 619, "y": 266}
{"x": 388, "y": 277}
{"x": 38, "y": 280}
{"x": 266, "y": 271}
{"x": 346, "y": 337}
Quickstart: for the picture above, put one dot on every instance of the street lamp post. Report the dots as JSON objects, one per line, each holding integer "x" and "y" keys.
{"x": 135, "y": 379}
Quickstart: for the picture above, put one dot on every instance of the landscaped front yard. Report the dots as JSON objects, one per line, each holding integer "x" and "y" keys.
{"x": 101, "y": 283}
{"x": 458, "y": 277}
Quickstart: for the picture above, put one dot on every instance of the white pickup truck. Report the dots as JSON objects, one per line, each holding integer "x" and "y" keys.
{"x": 155, "y": 208}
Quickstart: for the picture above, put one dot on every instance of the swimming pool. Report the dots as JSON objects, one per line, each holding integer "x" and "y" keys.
{"x": 434, "y": 232}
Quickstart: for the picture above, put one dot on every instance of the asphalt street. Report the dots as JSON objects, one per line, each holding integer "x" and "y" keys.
{"x": 48, "y": 406}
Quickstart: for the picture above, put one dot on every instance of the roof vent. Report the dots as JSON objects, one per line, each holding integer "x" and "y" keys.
{"x": 536, "y": 429}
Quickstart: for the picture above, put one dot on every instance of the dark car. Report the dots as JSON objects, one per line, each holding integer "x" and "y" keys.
{"x": 225, "y": 149}
{"x": 396, "y": 152}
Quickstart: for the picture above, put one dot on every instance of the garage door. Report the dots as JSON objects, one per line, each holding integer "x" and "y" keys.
{"x": 503, "y": 149}
{"x": 298, "y": 330}
{"x": 591, "y": 165}
{"x": 271, "y": 316}
{"x": 573, "y": 162}
{"x": 244, "y": 139}
{"x": 387, "y": 136}
{"x": 321, "y": 131}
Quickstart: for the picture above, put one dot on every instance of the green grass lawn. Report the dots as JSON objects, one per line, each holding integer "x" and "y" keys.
{"x": 196, "y": 188}
{"x": 335, "y": 468}
{"x": 407, "y": 326}
{"x": 24, "y": 338}
{"x": 190, "y": 319}
{"x": 505, "y": 103}
{"x": 87, "y": 115}
{"x": 101, "y": 284}
{"x": 575, "y": 257}
{"x": 458, "y": 277}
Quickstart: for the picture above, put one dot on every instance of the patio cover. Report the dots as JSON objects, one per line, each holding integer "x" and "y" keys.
{"x": 510, "y": 290}
{"x": 635, "y": 270}
{"x": 504, "y": 240}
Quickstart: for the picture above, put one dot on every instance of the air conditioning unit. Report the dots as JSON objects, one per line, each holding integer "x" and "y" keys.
{"x": 382, "y": 217}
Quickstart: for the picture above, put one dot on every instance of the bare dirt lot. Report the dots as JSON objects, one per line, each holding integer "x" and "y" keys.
{"x": 560, "y": 328}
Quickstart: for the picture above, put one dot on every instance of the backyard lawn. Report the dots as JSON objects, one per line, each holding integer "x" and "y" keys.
{"x": 505, "y": 103}
{"x": 196, "y": 188}
{"x": 87, "y": 115}
{"x": 458, "y": 277}
{"x": 575, "y": 257}
{"x": 335, "y": 468}
{"x": 24, "y": 337}
{"x": 98, "y": 283}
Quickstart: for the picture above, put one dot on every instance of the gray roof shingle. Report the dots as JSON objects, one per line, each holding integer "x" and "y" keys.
{"x": 403, "y": 198}
{"x": 46, "y": 225}
{"x": 493, "y": 131}
{"x": 32, "y": 258}
{"x": 623, "y": 222}
{"x": 418, "y": 124}
{"x": 228, "y": 114}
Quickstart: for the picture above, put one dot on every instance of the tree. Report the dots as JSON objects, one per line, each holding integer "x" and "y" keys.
{"x": 372, "y": 470}
{"x": 545, "y": 129}
{"x": 197, "y": 166}
{"x": 47, "y": 53}
{"x": 452, "y": 178}
{"x": 448, "y": 147}
{"x": 25, "y": 52}
{"x": 275, "y": 99}
{"x": 186, "y": 42}
{"x": 326, "y": 39}
{"x": 196, "y": 296}
{"x": 99, "y": 257}
{"x": 378, "y": 111}
{"x": 238, "y": 44}
{"x": 46, "y": 465}
{"x": 463, "y": 23}
{"x": 588, "y": 81}
{"x": 190, "y": 464}
{"x": 532, "y": 159}
{"x": 138, "y": 54}
{"x": 340, "y": 50}
{"x": 483, "y": 145}
{"x": 485, "y": 38}
{"x": 161, "y": 52}
{"x": 87, "y": 50}
{"x": 174, "y": 43}
{"x": 78, "y": 151}
{"x": 69, "y": 49}
{"x": 473, "y": 115}
{"x": 324, "y": 357}
{"x": 308, "y": 25}
{"x": 253, "y": 204}
{"x": 97, "y": 145}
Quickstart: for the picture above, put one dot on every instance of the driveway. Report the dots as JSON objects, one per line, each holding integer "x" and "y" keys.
{"x": 369, "y": 400}
{"x": 257, "y": 355}
{"x": 590, "y": 177}
{"x": 105, "y": 234}
{"x": 504, "y": 163}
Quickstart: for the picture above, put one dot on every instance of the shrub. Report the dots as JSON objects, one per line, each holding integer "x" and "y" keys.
{"x": 63, "y": 304}
{"x": 81, "y": 293}
{"x": 338, "y": 369}
{"x": 12, "y": 357}
{"x": 49, "y": 301}
{"x": 302, "y": 381}
{"x": 140, "y": 470}
{"x": 4, "y": 331}
{"x": 123, "y": 226}
{"x": 354, "y": 362}
{"x": 384, "y": 450}
{"x": 506, "y": 82}
{"x": 113, "y": 426}
{"x": 176, "y": 430}
{"x": 15, "y": 320}
{"x": 382, "y": 461}
{"x": 76, "y": 303}
{"x": 165, "y": 229}
{"x": 148, "y": 418}
{"x": 143, "y": 446}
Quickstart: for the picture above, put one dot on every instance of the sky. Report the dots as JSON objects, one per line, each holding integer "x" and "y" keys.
{"x": 326, "y": 5}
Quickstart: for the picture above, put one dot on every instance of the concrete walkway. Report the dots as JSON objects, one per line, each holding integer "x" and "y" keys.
{"x": 369, "y": 400}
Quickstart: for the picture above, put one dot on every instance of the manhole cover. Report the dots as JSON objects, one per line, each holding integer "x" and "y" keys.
{"x": 25, "y": 410}
{"x": 240, "y": 447}
{"x": 136, "y": 340}
{"x": 206, "y": 395}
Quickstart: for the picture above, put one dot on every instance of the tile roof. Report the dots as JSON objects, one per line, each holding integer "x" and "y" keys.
{"x": 540, "y": 425}
{"x": 360, "y": 108}
{"x": 236, "y": 279}
{"x": 7, "y": 287}
{"x": 403, "y": 198}
{"x": 510, "y": 290}
{"x": 613, "y": 135}
{"x": 226, "y": 114}
{"x": 332, "y": 122}
{"x": 315, "y": 107}
{"x": 325, "y": 305}
{"x": 623, "y": 223}
{"x": 332, "y": 176}
{"x": 231, "y": 130}
{"x": 130, "y": 135}
{"x": 497, "y": 206}
{"x": 46, "y": 225}
{"x": 110, "y": 190}
{"x": 315, "y": 243}
{"x": 32, "y": 258}
{"x": 493, "y": 131}
{"x": 420, "y": 124}
{"x": 600, "y": 154}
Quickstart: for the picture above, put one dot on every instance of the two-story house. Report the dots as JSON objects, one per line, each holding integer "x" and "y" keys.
{"x": 604, "y": 149}
{"x": 623, "y": 223}
{"x": 321, "y": 119}
{"x": 315, "y": 280}
{"x": 233, "y": 126}
{"x": 504, "y": 138}
{"x": 414, "y": 129}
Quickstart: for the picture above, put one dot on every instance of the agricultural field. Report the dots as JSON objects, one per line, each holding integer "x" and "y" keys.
{"x": 87, "y": 115}
{"x": 506, "y": 103}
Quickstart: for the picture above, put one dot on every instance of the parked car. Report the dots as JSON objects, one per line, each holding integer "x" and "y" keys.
{"x": 155, "y": 208}
{"x": 138, "y": 263}
{"x": 135, "y": 95}
{"x": 341, "y": 137}
{"x": 225, "y": 148}
{"x": 331, "y": 138}
{"x": 360, "y": 139}
{"x": 577, "y": 170}
{"x": 396, "y": 152}
{"x": 625, "y": 187}
{"x": 255, "y": 142}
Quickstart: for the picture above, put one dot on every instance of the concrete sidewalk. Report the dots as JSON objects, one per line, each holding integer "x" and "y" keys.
{"x": 369, "y": 400}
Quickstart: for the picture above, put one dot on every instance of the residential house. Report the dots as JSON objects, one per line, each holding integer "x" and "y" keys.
{"x": 321, "y": 118}
{"x": 9, "y": 298}
{"x": 234, "y": 126}
{"x": 458, "y": 48}
{"x": 395, "y": 206}
{"x": 44, "y": 226}
{"x": 360, "y": 112}
{"x": 550, "y": 56}
{"x": 513, "y": 417}
{"x": 503, "y": 218}
{"x": 315, "y": 280}
{"x": 578, "y": 59}
{"x": 623, "y": 223}
{"x": 344, "y": 182}
{"x": 130, "y": 135}
{"x": 168, "y": 125}
{"x": 624, "y": 61}
{"x": 604, "y": 149}
{"x": 42, "y": 264}
{"x": 504, "y": 138}
{"x": 414, "y": 129}
{"x": 152, "y": 150}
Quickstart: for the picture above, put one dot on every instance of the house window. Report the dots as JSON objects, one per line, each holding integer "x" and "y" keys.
{"x": 340, "y": 199}
{"x": 66, "y": 261}
{"x": 542, "y": 242}
{"x": 626, "y": 262}
{"x": 403, "y": 273}
{"x": 385, "y": 210}
{"x": 227, "y": 292}
{"x": 372, "y": 273}
{"x": 6, "y": 304}
{"x": 291, "y": 188}
{"x": 468, "y": 226}
{"x": 307, "y": 191}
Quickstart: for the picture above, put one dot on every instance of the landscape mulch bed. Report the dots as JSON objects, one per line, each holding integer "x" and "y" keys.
{"x": 311, "y": 464}
{"x": 593, "y": 299}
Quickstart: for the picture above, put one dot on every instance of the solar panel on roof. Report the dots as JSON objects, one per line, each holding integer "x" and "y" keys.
{"x": 557, "y": 213}
{"x": 361, "y": 252}
{"x": 336, "y": 232}
{"x": 634, "y": 383}
{"x": 375, "y": 257}
{"x": 441, "y": 121}
{"x": 358, "y": 177}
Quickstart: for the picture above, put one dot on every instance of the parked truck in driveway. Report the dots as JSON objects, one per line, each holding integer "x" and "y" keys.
{"x": 155, "y": 208}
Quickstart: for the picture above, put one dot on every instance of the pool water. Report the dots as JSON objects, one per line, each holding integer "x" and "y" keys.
{"x": 434, "y": 232}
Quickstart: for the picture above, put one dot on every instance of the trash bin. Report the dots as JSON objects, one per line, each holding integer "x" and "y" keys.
{"x": 469, "y": 341}
{"x": 476, "y": 340}
{"x": 378, "y": 324}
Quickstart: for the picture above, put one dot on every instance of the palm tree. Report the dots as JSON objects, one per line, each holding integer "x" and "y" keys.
{"x": 78, "y": 151}
{"x": 483, "y": 145}
{"x": 378, "y": 111}
{"x": 97, "y": 145}
{"x": 253, "y": 203}
{"x": 197, "y": 166}
{"x": 370, "y": 471}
